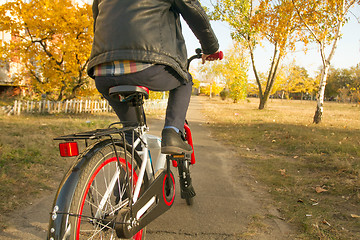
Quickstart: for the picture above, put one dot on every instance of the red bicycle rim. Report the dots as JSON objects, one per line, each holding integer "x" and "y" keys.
{"x": 138, "y": 235}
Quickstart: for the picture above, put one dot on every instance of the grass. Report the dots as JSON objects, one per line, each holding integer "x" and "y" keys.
{"x": 29, "y": 159}
{"x": 312, "y": 171}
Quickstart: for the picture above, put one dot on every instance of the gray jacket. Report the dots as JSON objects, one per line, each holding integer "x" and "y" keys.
{"x": 148, "y": 31}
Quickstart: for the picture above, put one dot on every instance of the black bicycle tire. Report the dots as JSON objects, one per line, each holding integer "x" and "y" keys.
{"x": 96, "y": 158}
{"x": 189, "y": 201}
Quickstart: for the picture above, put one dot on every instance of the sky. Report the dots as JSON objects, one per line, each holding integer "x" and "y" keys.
{"x": 347, "y": 53}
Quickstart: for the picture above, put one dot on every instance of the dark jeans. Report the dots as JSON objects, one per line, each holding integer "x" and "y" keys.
{"x": 156, "y": 78}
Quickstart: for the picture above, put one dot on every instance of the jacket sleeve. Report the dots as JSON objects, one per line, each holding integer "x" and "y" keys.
{"x": 199, "y": 23}
{"x": 95, "y": 11}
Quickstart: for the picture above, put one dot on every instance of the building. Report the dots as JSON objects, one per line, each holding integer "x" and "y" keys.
{"x": 7, "y": 69}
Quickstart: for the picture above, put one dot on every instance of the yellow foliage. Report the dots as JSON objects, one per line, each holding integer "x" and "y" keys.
{"x": 232, "y": 70}
{"x": 212, "y": 89}
{"x": 51, "y": 39}
{"x": 196, "y": 83}
{"x": 157, "y": 95}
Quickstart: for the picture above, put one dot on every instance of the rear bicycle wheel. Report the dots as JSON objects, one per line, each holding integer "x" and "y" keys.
{"x": 101, "y": 192}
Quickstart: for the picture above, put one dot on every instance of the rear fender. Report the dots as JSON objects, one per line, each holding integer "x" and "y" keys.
{"x": 59, "y": 217}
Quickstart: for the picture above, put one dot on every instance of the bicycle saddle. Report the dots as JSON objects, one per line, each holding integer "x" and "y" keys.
{"x": 125, "y": 93}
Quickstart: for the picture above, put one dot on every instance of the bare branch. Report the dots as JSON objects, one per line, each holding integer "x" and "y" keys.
{"x": 306, "y": 25}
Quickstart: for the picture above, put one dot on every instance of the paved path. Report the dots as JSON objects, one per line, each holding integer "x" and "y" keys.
{"x": 226, "y": 206}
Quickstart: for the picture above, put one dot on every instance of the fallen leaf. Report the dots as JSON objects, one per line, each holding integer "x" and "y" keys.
{"x": 320, "y": 189}
{"x": 282, "y": 172}
{"x": 326, "y": 222}
{"x": 355, "y": 216}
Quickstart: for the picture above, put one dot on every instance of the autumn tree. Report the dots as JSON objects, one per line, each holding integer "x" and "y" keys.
{"x": 232, "y": 70}
{"x": 212, "y": 89}
{"x": 209, "y": 75}
{"x": 298, "y": 81}
{"x": 271, "y": 21}
{"x": 322, "y": 21}
{"x": 51, "y": 41}
{"x": 343, "y": 84}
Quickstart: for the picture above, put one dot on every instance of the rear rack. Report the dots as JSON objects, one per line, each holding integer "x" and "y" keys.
{"x": 95, "y": 134}
{"x": 98, "y": 133}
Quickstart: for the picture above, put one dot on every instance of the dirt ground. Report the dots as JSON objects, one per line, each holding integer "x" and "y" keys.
{"x": 230, "y": 203}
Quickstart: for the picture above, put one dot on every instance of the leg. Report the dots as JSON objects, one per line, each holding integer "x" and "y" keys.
{"x": 156, "y": 78}
{"x": 123, "y": 111}
{"x": 178, "y": 103}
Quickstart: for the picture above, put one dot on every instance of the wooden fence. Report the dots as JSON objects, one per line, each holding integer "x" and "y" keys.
{"x": 73, "y": 106}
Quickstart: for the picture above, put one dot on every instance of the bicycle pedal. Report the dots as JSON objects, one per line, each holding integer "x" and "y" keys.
{"x": 185, "y": 156}
{"x": 177, "y": 156}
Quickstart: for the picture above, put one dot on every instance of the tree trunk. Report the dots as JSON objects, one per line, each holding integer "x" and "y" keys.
{"x": 326, "y": 61}
{"x": 263, "y": 102}
{"x": 324, "y": 73}
{"x": 320, "y": 99}
{"x": 318, "y": 114}
{"x": 271, "y": 77}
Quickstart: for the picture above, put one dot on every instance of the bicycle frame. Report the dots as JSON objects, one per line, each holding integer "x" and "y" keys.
{"x": 154, "y": 201}
{"x": 147, "y": 161}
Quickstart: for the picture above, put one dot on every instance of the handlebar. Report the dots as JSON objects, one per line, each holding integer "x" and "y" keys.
{"x": 217, "y": 56}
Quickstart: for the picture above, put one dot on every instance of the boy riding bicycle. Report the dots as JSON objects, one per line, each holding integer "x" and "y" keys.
{"x": 139, "y": 42}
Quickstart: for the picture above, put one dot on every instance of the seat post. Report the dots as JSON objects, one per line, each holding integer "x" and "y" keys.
{"x": 134, "y": 97}
{"x": 138, "y": 103}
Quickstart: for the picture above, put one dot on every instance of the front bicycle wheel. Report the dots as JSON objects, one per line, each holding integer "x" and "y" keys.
{"x": 186, "y": 187}
{"x": 101, "y": 192}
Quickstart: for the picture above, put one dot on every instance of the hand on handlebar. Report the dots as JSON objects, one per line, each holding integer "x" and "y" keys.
{"x": 212, "y": 57}
{"x": 205, "y": 57}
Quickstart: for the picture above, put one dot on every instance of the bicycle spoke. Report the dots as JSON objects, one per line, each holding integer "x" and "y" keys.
{"x": 124, "y": 203}
{"x": 97, "y": 196}
{"x": 91, "y": 204}
{"x": 103, "y": 199}
{"x": 105, "y": 192}
{"x": 98, "y": 230}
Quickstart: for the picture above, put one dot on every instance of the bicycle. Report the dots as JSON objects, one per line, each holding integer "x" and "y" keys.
{"x": 113, "y": 189}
